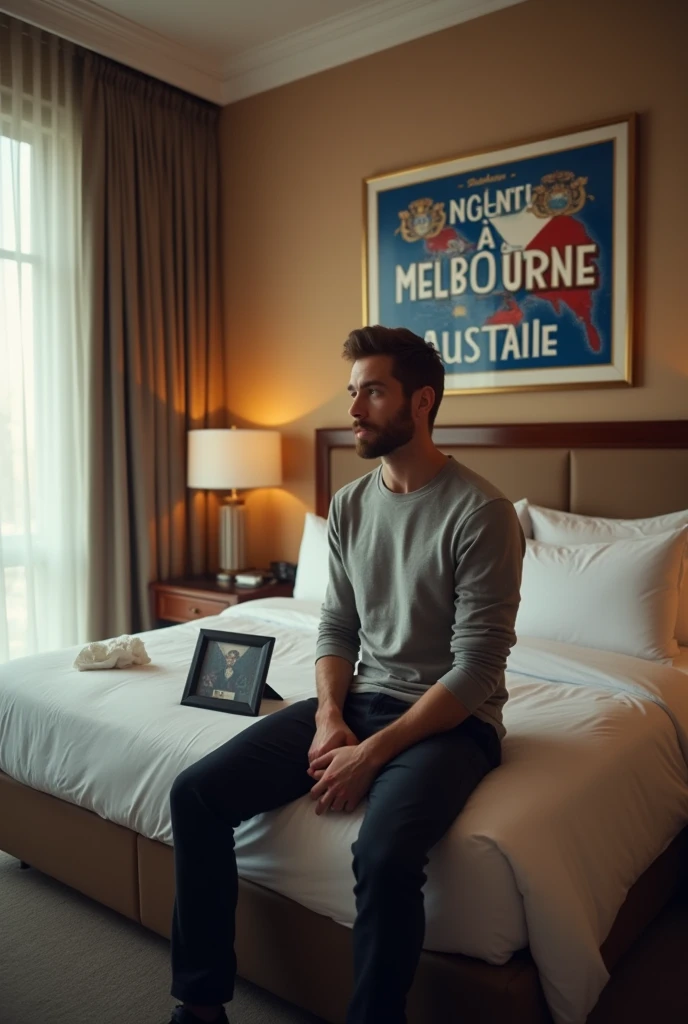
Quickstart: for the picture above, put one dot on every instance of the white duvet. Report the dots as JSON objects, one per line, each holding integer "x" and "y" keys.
{"x": 593, "y": 786}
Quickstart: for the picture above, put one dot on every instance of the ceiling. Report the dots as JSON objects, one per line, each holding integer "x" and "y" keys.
{"x": 225, "y": 50}
{"x": 225, "y": 28}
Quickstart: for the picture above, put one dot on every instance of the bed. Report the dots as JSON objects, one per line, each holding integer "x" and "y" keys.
{"x": 72, "y": 806}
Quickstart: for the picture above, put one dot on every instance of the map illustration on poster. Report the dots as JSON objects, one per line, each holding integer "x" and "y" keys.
{"x": 516, "y": 265}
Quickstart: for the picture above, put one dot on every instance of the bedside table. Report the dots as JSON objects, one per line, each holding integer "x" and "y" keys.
{"x": 194, "y": 597}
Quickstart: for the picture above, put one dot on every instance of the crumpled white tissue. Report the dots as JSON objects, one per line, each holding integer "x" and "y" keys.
{"x": 122, "y": 652}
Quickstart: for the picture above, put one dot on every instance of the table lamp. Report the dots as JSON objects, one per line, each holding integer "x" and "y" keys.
{"x": 227, "y": 460}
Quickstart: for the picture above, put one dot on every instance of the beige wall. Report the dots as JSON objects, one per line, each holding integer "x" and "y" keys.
{"x": 293, "y": 163}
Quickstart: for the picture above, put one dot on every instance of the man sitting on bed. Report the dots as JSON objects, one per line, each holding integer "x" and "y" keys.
{"x": 417, "y": 623}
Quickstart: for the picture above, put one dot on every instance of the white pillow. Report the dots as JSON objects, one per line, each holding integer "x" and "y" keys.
{"x": 312, "y": 571}
{"x": 621, "y": 596}
{"x": 523, "y": 514}
{"x": 552, "y": 527}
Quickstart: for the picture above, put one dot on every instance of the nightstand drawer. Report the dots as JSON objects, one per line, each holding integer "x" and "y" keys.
{"x": 183, "y": 608}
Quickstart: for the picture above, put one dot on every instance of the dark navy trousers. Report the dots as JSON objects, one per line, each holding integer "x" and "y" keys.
{"x": 411, "y": 804}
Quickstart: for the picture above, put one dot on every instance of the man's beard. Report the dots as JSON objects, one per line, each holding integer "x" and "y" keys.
{"x": 385, "y": 440}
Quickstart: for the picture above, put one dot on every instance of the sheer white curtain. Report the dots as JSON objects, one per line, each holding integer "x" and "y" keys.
{"x": 43, "y": 356}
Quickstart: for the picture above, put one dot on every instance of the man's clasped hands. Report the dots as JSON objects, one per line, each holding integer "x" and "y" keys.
{"x": 343, "y": 767}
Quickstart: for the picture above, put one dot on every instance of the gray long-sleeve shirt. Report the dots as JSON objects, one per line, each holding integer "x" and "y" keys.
{"x": 424, "y": 588}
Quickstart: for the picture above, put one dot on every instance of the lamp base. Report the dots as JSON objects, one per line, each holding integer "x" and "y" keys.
{"x": 232, "y": 538}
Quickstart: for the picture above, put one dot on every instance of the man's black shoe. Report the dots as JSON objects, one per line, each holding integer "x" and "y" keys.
{"x": 180, "y": 1015}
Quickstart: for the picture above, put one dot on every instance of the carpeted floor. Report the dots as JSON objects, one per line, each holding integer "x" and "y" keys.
{"x": 65, "y": 959}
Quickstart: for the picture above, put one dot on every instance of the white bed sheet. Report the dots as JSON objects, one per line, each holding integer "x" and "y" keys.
{"x": 593, "y": 786}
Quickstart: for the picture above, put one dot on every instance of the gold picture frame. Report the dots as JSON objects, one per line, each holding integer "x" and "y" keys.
{"x": 516, "y": 263}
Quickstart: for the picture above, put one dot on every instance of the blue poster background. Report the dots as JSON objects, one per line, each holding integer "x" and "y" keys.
{"x": 582, "y": 316}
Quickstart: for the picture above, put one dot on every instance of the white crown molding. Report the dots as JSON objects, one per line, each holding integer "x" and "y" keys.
{"x": 329, "y": 43}
{"x": 343, "y": 38}
{"x": 109, "y": 34}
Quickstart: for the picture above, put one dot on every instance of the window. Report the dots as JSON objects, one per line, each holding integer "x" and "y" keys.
{"x": 43, "y": 348}
{"x": 17, "y": 385}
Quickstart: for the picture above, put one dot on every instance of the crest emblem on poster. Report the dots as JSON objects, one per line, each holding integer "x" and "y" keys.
{"x": 422, "y": 219}
{"x": 559, "y": 194}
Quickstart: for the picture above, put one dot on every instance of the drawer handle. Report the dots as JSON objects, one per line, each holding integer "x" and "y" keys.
{"x": 194, "y": 611}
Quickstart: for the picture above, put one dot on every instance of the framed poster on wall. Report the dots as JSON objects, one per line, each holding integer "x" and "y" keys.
{"x": 516, "y": 264}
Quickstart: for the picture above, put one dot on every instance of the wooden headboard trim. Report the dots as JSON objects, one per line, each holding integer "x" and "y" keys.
{"x": 633, "y": 434}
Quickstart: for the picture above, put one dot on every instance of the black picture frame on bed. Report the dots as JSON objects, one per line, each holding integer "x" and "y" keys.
{"x": 229, "y": 672}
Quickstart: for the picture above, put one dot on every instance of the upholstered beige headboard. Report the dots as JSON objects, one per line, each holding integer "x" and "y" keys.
{"x": 608, "y": 469}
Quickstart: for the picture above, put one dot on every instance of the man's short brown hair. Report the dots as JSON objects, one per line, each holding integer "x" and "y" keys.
{"x": 415, "y": 362}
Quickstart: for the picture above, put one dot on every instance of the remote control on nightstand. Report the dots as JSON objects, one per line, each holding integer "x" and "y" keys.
{"x": 248, "y": 579}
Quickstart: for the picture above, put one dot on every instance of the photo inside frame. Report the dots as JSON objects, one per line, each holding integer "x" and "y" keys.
{"x": 238, "y": 648}
{"x": 230, "y": 671}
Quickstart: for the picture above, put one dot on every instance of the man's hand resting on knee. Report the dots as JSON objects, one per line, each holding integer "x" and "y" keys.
{"x": 331, "y": 732}
{"x": 344, "y": 777}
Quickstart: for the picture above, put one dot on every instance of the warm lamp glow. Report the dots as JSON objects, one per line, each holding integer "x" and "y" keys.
{"x": 223, "y": 460}
{"x": 231, "y": 460}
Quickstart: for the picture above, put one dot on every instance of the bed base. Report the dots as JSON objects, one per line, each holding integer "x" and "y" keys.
{"x": 281, "y": 946}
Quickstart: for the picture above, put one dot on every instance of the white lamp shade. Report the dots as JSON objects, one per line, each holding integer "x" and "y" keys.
{"x": 222, "y": 459}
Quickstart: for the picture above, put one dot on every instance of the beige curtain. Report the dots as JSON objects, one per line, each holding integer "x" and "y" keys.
{"x": 44, "y": 346}
{"x": 151, "y": 213}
